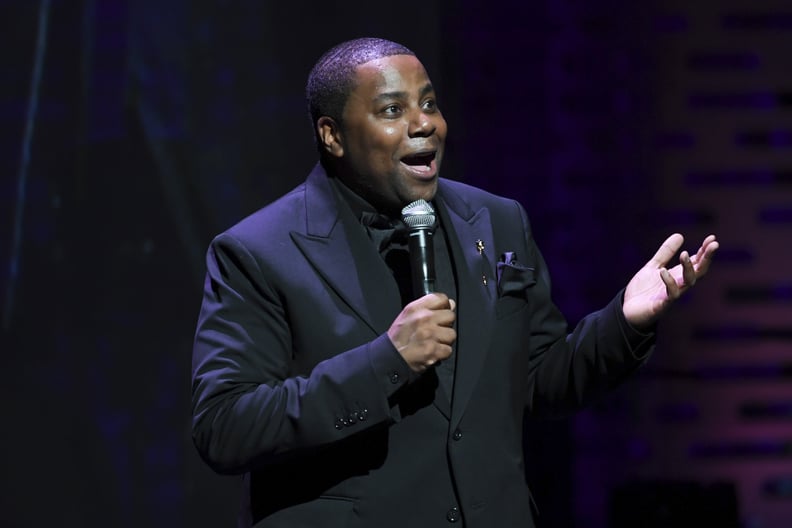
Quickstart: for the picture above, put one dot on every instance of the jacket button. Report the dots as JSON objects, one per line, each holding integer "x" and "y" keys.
{"x": 453, "y": 515}
{"x": 457, "y": 435}
{"x": 395, "y": 378}
{"x": 339, "y": 423}
{"x": 362, "y": 415}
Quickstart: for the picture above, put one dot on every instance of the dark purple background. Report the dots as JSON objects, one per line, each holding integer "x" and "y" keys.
{"x": 159, "y": 124}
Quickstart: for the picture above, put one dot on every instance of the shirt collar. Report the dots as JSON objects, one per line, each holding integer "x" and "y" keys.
{"x": 352, "y": 199}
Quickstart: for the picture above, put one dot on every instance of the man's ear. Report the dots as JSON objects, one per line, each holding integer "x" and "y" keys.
{"x": 330, "y": 136}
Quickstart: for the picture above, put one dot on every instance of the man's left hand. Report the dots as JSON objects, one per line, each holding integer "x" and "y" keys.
{"x": 654, "y": 288}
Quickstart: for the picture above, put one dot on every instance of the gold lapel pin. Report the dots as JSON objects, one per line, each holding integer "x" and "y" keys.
{"x": 480, "y": 249}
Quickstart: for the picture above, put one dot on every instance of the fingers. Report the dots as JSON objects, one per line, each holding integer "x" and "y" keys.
{"x": 667, "y": 251}
{"x": 707, "y": 242}
{"x": 688, "y": 272}
{"x": 696, "y": 266}
{"x": 440, "y": 309}
{"x": 708, "y": 246}
{"x": 655, "y": 286}
{"x": 672, "y": 288}
{"x": 693, "y": 268}
{"x": 423, "y": 333}
{"x": 429, "y": 346}
{"x": 446, "y": 336}
{"x": 434, "y": 301}
{"x": 699, "y": 262}
{"x": 704, "y": 255}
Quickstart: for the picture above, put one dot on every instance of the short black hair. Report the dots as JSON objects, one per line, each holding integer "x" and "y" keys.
{"x": 332, "y": 78}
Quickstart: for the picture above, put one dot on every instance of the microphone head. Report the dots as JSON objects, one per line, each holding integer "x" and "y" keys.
{"x": 419, "y": 215}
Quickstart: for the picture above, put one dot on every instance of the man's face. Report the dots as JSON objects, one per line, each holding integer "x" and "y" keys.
{"x": 392, "y": 134}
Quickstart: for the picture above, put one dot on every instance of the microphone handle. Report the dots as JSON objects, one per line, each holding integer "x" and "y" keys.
{"x": 422, "y": 261}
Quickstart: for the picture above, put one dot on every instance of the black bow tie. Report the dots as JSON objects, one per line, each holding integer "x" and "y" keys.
{"x": 383, "y": 230}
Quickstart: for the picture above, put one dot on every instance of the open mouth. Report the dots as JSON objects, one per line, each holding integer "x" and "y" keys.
{"x": 421, "y": 160}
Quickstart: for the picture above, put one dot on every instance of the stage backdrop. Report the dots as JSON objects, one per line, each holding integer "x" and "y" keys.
{"x": 134, "y": 131}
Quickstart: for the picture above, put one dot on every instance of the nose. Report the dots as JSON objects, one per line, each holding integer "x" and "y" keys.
{"x": 421, "y": 124}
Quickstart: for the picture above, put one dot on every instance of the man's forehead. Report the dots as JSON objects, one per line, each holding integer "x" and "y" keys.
{"x": 389, "y": 59}
{"x": 394, "y": 70}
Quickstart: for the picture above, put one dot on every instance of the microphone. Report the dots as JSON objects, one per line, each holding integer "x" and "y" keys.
{"x": 420, "y": 220}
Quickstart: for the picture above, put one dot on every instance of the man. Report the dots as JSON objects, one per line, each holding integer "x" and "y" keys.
{"x": 346, "y": 402}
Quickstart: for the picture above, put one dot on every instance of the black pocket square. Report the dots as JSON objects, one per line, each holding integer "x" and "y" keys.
{"x": 513, "y": 278}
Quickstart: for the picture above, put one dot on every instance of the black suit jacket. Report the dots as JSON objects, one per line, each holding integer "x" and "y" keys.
{"x": 296, "y": 384}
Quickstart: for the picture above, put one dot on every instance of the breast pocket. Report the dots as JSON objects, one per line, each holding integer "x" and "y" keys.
{"x": 514, "y": 281}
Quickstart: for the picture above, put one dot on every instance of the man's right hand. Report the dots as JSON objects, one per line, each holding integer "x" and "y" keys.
{"x": 424, "y": 331}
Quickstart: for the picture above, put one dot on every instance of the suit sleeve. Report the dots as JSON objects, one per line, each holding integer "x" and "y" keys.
{"x": 569, "y": 370}
{"x": 248, "y": 407}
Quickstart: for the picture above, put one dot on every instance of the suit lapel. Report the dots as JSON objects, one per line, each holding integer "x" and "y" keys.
{"x": 339, "y": 250}
{"x": 476, "y": 295}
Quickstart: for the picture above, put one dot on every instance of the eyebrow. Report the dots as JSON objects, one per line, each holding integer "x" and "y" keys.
{"x": 427, "y": 88}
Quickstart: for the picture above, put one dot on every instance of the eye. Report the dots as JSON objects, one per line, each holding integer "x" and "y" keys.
{"x": 392, "y": 110}
{"x": 430, "y": 105}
